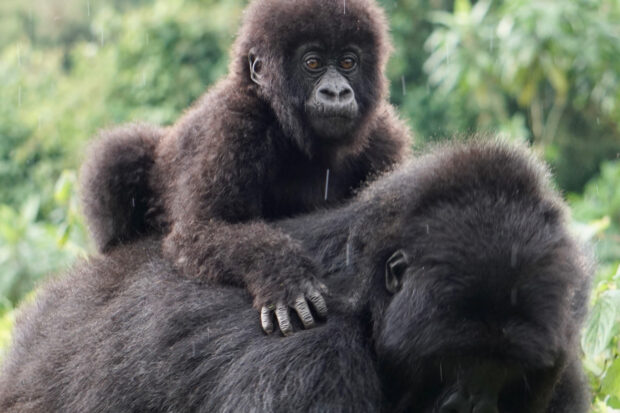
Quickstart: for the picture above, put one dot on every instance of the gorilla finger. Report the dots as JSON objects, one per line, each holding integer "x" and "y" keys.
{"x": 303, "y": 311}
{"x": 284, "y": 320}
{"x": 318, "y": 302}
{"x": 265, "y": 320}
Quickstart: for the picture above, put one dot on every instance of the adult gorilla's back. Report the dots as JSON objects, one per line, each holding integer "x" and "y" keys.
{"x": 454, "y": 287}
{"x": 124, "y": 333}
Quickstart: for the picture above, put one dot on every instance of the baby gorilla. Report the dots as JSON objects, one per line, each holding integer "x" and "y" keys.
{"x": 455, "y": 287}
{"x": 299, "y": 123}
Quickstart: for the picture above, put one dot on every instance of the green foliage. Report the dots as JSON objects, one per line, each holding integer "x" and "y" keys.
{"x": 31, "y": 248}
{"x": 547, "y": 72}
{"x": 599, "y": 208}
{"x": 601, "y": 200}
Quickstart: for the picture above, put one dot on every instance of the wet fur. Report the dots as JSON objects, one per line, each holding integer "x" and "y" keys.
{"x": 125, "y": 333}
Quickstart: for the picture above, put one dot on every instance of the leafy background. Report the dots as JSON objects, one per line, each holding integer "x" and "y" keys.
{"x": 545, "y": 72}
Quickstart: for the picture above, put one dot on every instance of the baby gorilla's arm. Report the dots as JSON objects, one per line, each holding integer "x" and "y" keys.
{"x": 270, "y": 264}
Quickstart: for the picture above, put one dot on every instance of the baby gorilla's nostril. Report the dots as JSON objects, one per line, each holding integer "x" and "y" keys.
{"x": 328, "y": 93}
{"x": 345, "y": 93}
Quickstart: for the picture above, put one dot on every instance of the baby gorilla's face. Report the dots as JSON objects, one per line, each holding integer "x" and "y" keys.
{"x": 327, "y": 77}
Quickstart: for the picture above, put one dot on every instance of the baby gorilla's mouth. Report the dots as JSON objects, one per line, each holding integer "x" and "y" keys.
{"x": 331, "y": 124}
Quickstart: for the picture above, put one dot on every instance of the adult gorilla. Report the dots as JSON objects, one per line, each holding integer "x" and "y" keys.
{"x": 454, "y": 287}
{"x": 298, "y": 124}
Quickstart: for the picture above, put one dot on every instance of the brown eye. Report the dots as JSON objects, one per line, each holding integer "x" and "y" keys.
{"x": 347, "y": 63}
{"x": 313, "y": 63}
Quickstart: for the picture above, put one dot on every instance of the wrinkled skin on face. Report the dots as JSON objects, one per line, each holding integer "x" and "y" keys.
{"x": 324, "y": 79}
{"x": 331, "y": 107}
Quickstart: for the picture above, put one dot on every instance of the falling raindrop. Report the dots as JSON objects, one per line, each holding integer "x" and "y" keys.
{"x": 447, "y": 54}
{"x": 19, "y": 57}
{"x": 326, "y": 183}
{"x": 101, "y": 37}
{"x": 402, "y": 81}
{"x": 427, "y": 229}
{"x": 88, "y": 8}
{"x": 491, "y": 44}
{"x": 19, "y": 96}
{"x": 348, "y": 254}
{"x": 344, "y": 6}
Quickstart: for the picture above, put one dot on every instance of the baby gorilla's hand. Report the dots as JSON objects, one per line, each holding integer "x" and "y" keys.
{"x": 277, "y": 294}
{"x": 310, "y": 295}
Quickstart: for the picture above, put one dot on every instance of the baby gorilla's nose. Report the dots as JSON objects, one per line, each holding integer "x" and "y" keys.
{"x": 336, "y": 93}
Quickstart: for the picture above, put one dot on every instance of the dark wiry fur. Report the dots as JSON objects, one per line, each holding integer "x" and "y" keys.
{"x": 494, "y": 278}
{"x": 115, "y": 199}
{"x": 244, "y": 154}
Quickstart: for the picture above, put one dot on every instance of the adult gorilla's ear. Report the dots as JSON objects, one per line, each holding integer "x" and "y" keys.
{"x": 256, "y": 65}
{"x": 395, "y": 268}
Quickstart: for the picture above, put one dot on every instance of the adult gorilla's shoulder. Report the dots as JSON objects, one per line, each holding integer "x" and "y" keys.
{"x": 454, "y": 286}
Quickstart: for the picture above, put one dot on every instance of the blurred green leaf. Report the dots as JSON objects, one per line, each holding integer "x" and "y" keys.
{"x": 599, "y": 327}
{"x": 611, "y": 382}
{"x": 30, "y": 210}
{"x": 64, "y": 187}
{"x": 462, "y": 7}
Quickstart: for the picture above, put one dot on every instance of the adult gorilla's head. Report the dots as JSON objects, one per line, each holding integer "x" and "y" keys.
{"x": 319, "y": 64}
{"x": 482, "y": 291}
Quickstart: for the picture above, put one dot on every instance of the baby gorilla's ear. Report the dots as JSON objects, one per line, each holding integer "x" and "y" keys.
{"x": 256, "y": 65}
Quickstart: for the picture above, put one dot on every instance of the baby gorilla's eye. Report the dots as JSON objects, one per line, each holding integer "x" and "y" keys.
{"x": 347, "y": 63}
{"x": 313, "y": 63}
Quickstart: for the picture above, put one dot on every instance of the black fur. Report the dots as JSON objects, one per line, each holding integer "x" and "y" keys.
{"x": 115, "y": 200}
{"x": 493, "y": 295}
